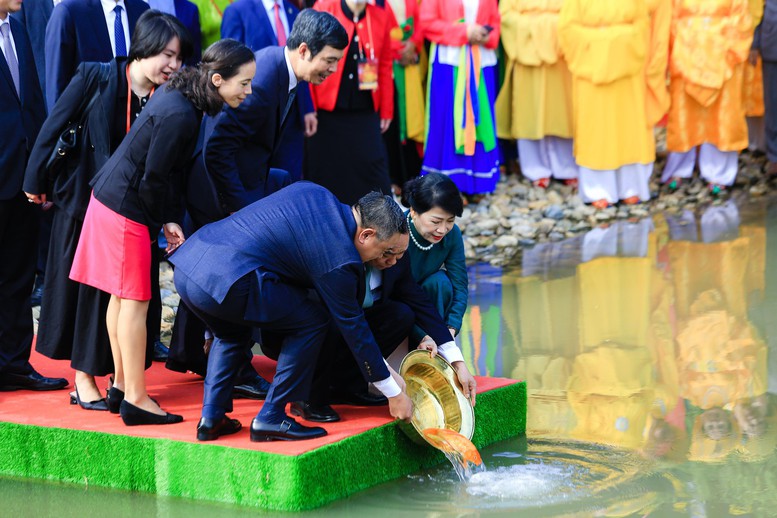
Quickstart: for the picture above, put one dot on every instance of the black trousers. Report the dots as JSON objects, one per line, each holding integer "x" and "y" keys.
{"x": 19, "y": 225}
{"x": 390, "y": 321}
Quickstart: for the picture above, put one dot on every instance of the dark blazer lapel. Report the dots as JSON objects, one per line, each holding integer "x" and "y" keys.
{"x": 283, "y": 93}
{"x": 96, "y": 23}
{"x": 16, "y": 32}
{"x": 133, "y": 13}
{"x": 264, "y": 20}
{"x": 107, "y": 93}
{"x": 6, "y": 72}
{"x": 291, "y": 14}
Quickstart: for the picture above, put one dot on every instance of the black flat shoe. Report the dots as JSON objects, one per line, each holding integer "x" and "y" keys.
{"x": 114, "y": 397}
{"x": 315, "y": 413}
{"x": 133, "y": 416}
{"x": 256, "y": 388}
{"x": 286, "y": 430}
{"x": 97, "y": 404}
{"x": 212, "y": 429}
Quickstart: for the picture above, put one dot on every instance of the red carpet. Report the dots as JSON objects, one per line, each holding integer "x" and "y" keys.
{"x": 181, "y": 394}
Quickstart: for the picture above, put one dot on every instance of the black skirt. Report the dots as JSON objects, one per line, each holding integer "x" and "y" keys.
{"x": 347, "y": 155}
{"x": 72, "y": 315}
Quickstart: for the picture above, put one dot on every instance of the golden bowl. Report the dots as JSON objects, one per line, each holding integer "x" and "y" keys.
{"x": 438, "y": 402}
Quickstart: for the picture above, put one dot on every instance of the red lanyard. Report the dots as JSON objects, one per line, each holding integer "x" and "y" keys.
{"x": 369, "y": 31}
{"x": 129, "y": 97}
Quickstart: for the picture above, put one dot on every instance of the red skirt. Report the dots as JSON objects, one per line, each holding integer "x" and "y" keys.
{"x": 113, "y": 254}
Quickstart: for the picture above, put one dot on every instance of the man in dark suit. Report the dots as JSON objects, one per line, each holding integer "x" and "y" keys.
{"x": 83, "y": 30}
{"x": 266, "y": 23}
{"x": 188, "y": 14}
{"x": 394, "y": 304}
{"x": 233, "y": 166}
{"x": 255, "y": 269}
{"x": 21, "y": 114}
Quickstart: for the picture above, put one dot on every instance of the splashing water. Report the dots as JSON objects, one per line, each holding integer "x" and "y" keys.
{"x": 459, "y": 450}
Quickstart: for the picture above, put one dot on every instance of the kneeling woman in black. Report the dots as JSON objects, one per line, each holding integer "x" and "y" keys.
{"x": 138, "y": 191}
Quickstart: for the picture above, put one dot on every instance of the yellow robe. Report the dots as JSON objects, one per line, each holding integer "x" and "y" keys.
{"x": 710, "y": 42}
{"x": 611, "y": 48}
{"x": 536, "y": 98}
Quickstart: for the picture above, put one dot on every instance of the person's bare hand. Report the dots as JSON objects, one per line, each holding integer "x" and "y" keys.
{"x": 752, "y": 58}
{"x": 173, "y": 235}
{"x": 427, "y": 344}
{"x": 409, "y": 56}
{"x": 384, "y": 125}
{"x": 467, "y": 381}
{"x": 37, "y": 199}
{"x": 476, "y": 34}
{"x": 401, "y": 407}
{"x": 311, "y": 124}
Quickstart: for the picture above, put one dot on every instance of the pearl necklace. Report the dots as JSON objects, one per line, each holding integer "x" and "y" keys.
{"x": 415, "y": 241}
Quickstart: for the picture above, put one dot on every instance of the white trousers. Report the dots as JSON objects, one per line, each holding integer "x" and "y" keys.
{"x": 619, "y": 184}
{"x": 620, "y": 239}
{"x": 717, "y": 223}
{"x": 549, "y": 157}
{"x": 718, "y": 167}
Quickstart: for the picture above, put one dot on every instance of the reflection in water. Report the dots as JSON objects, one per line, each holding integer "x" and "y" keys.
{"x": 651, "y": 336}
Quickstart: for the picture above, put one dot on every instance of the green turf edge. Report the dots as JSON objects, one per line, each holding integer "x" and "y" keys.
{"x": 243, "y": 477}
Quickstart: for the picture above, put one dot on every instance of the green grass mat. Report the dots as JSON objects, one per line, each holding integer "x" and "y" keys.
{"x": 245, "y": 477}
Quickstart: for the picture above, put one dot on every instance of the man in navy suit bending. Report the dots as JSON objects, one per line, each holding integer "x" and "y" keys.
{"x": 256, "y": 269}
{"x": 394, "y": 304}
{"x": 21, "y": 115}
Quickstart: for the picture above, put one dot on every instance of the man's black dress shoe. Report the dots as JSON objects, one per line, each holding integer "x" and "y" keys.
{"x": 256, "y": 388}
{"x": 358, "y": 399}
{"x": 161, "y": 352}
{"x": 133, "y": 416}
{"x": 211, "y": 429}
{"x": 113, "y": 398}
{"x": 98, "y": 404}
{"x": 286, "y": 430}
{"x": 315, "y": 413}
{"x": 31, "y": 381}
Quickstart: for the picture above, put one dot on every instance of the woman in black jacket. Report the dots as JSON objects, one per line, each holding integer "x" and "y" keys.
{"x": 107, "y": 98}
{"x": 138, "y": 191}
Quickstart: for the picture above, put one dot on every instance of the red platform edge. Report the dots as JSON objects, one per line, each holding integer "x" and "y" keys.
{"x": 182, "y": 394}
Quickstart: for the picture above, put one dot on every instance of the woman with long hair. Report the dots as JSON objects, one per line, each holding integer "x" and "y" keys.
{"x": 137, "y": 192}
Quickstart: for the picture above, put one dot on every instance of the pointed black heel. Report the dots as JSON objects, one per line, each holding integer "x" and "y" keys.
{"x": 133, "y": 416}
{"x": 99, "y": 404}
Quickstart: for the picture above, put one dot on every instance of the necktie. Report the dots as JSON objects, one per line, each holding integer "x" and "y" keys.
{"x": 292, "y": 95}
{"x": 10, "y": 56}
{"x": 279, "y": 24}
{"x": 118, "y": 33}
{"x": 368, "y": 299}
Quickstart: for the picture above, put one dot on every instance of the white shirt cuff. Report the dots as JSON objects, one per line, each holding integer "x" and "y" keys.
{"x": 388, "y": 387}
{"x": 450, "y": 352}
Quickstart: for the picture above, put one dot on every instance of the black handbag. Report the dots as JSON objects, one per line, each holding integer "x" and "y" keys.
{"x": 68, "y": 142}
